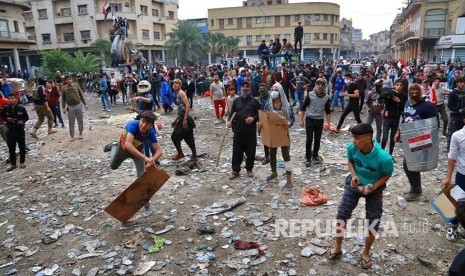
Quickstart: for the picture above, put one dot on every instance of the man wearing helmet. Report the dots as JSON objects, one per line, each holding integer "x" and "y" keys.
{"x": 144, "y": 100}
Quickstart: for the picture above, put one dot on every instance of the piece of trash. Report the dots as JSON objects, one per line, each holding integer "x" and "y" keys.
{"x": 205, "y": 230}
{"x": 11, "y": 271}
{"x": 221, "y": 207}
{"x": 132, "y": 243}
{"x": 143, "y": 268}
{"x": 159, "y": 242}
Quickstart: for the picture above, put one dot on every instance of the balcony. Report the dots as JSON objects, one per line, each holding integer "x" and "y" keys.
{"x": 159, "y": 20}
{"x": 29, "y": 23}
{"x": 16, "y": 37}
{"x": 434, "y": 33}
{"x": 159, "y": 42}
{"x": 412, "y": 7}
{"x": 129, "y": 16}
{"x": 59, "y": 20}
{"x": 67, "y": 44}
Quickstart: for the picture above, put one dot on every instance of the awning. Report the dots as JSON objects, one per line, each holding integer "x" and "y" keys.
{"x": 438, "y": 47}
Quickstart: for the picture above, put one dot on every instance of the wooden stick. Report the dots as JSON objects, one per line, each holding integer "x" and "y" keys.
{"x": 222, "y": 141}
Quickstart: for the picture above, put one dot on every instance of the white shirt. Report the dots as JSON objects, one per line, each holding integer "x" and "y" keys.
{"x": 457, "y": 150}
{"x": 113, "y": 82}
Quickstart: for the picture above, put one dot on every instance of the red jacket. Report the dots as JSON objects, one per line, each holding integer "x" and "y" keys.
{"x": 53, "y": 97}
{"x": 3, "y": 102}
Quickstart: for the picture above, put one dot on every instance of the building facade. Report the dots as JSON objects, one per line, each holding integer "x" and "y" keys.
{"x": 379, "y": 44}
{"x": 71, "y": 25}
{"x": 346, "y": 44}
{"x": 418, "y": 29}
{"x": 13, "y": 35}
{"x": 269, "y": 20}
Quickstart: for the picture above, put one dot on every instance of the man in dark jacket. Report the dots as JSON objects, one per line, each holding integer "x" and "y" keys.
{"x": 244, "y": 126}
{"x": 263, "y": 51}
{"x": 16, "y": 117}
{"x": 416, "y": 109}
{"x": 456, "y": 105}
{"x": 394, "y": 102}
{"x": 298, "y": 35}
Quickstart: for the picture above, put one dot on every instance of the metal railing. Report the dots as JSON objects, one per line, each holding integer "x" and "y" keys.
{"x": 434, "y": 32}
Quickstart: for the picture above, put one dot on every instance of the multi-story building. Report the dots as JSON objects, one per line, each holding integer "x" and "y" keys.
{"x": 347, "y": 46}
{"x": 272, "y": 19}
{"x": 357, "y": 35}
{"x": 74, "y": 24}
{"x": 13, "y": 35}
{"x": 417, "y": 30}
{"x": 380, "y": 44}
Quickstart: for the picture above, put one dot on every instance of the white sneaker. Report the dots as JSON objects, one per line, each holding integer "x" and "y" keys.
{"x": 109, "y": 110}
{"x": 451, "y": 234}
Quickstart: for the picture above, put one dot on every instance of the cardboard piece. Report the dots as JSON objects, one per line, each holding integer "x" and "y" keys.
{"x": 273, "y": 133}
{"x": 445, "y": 204}
{"x": 131, "y": 200}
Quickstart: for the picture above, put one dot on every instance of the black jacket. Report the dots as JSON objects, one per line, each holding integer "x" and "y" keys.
{"x": 13, "y": 115}
{"x": 244, "y": 108}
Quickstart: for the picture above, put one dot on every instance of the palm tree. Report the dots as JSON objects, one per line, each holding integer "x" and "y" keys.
{"x": 185, "y": 41}
{"x": 217, "y": 44}
{"x": 84, "y": 63}
{"x": 231, "y": 46}
{"x": 102, "y": 47}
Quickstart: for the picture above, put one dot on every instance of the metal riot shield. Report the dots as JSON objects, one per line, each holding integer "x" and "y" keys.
{"x": 420, "y": 142}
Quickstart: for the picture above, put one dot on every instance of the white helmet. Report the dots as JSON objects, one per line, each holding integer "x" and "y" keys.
{"x": 144, "y": 86}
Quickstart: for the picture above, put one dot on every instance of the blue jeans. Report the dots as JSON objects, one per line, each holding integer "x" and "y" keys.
{"x": 105, "y": 100}
{"x": 336, "y": 99}
{"x": 298, "y": 96}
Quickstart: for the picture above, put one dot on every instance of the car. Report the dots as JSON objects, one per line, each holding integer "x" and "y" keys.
{"x": 19, "y": 86}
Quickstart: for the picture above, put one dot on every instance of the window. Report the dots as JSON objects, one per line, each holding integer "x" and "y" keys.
{"x": 287, "y": 37}
{"x": 297, "y": 18}
{"x": 46, "y": 38}
{"x": 316, "y": 17}
{"x": 258, "y": 38}
{"x": 156, "y": 35}
{"x": 15, "y": 24}
{"x": 28, "y": 15}
{"x": 316, "y": 37}
{"x": 239, "y": 38}
{"x": 267, "y": 37}
{"x": 230, "y": 21}
{"x": 116, "y": 7}
{"x": 65, "y": 12}
{"x": 239, "y": 23}
{"x": 143, "y": 9}
{"x": 276, "y": 37}
{"x": 4, "y": 30}
{"x": 42, "y": 14}
{"x": 249, "y": 40}
{"x": 82, "y": 9}
{"x": 306, "y": 38}
{"x": 155, "y": 12}
{"x": 325, "y": 17}
{"x": 85, "y": 34}
{"x": 435, "y": 23}
{"x": 212, "y": 22}
{"x": 267, "y": 19}
{"x": 171, "y": 14}
{"x": 325, "y": 36}
{"x": 221, "y": 23}
{"x": 307, "y": 17}
{"x": 145, "y": 33}
{"x": 68, "y": 37}
{"x": 258, "y": 20}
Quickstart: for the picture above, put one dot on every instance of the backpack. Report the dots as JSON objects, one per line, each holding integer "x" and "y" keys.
{"x": 36, "y": 93}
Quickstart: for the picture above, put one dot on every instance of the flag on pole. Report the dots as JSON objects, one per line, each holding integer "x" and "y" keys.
{"x": 106, "y": 9}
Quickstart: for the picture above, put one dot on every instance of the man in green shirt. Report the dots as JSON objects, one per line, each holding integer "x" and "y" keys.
{"x": 72, "y": 97}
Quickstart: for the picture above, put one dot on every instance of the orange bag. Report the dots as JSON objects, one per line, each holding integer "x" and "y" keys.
{"x": 331, "y": 126}
{"x": 313, "y": 197}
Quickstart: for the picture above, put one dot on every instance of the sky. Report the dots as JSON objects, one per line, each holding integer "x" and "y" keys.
{"x": 371, "y": 16}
